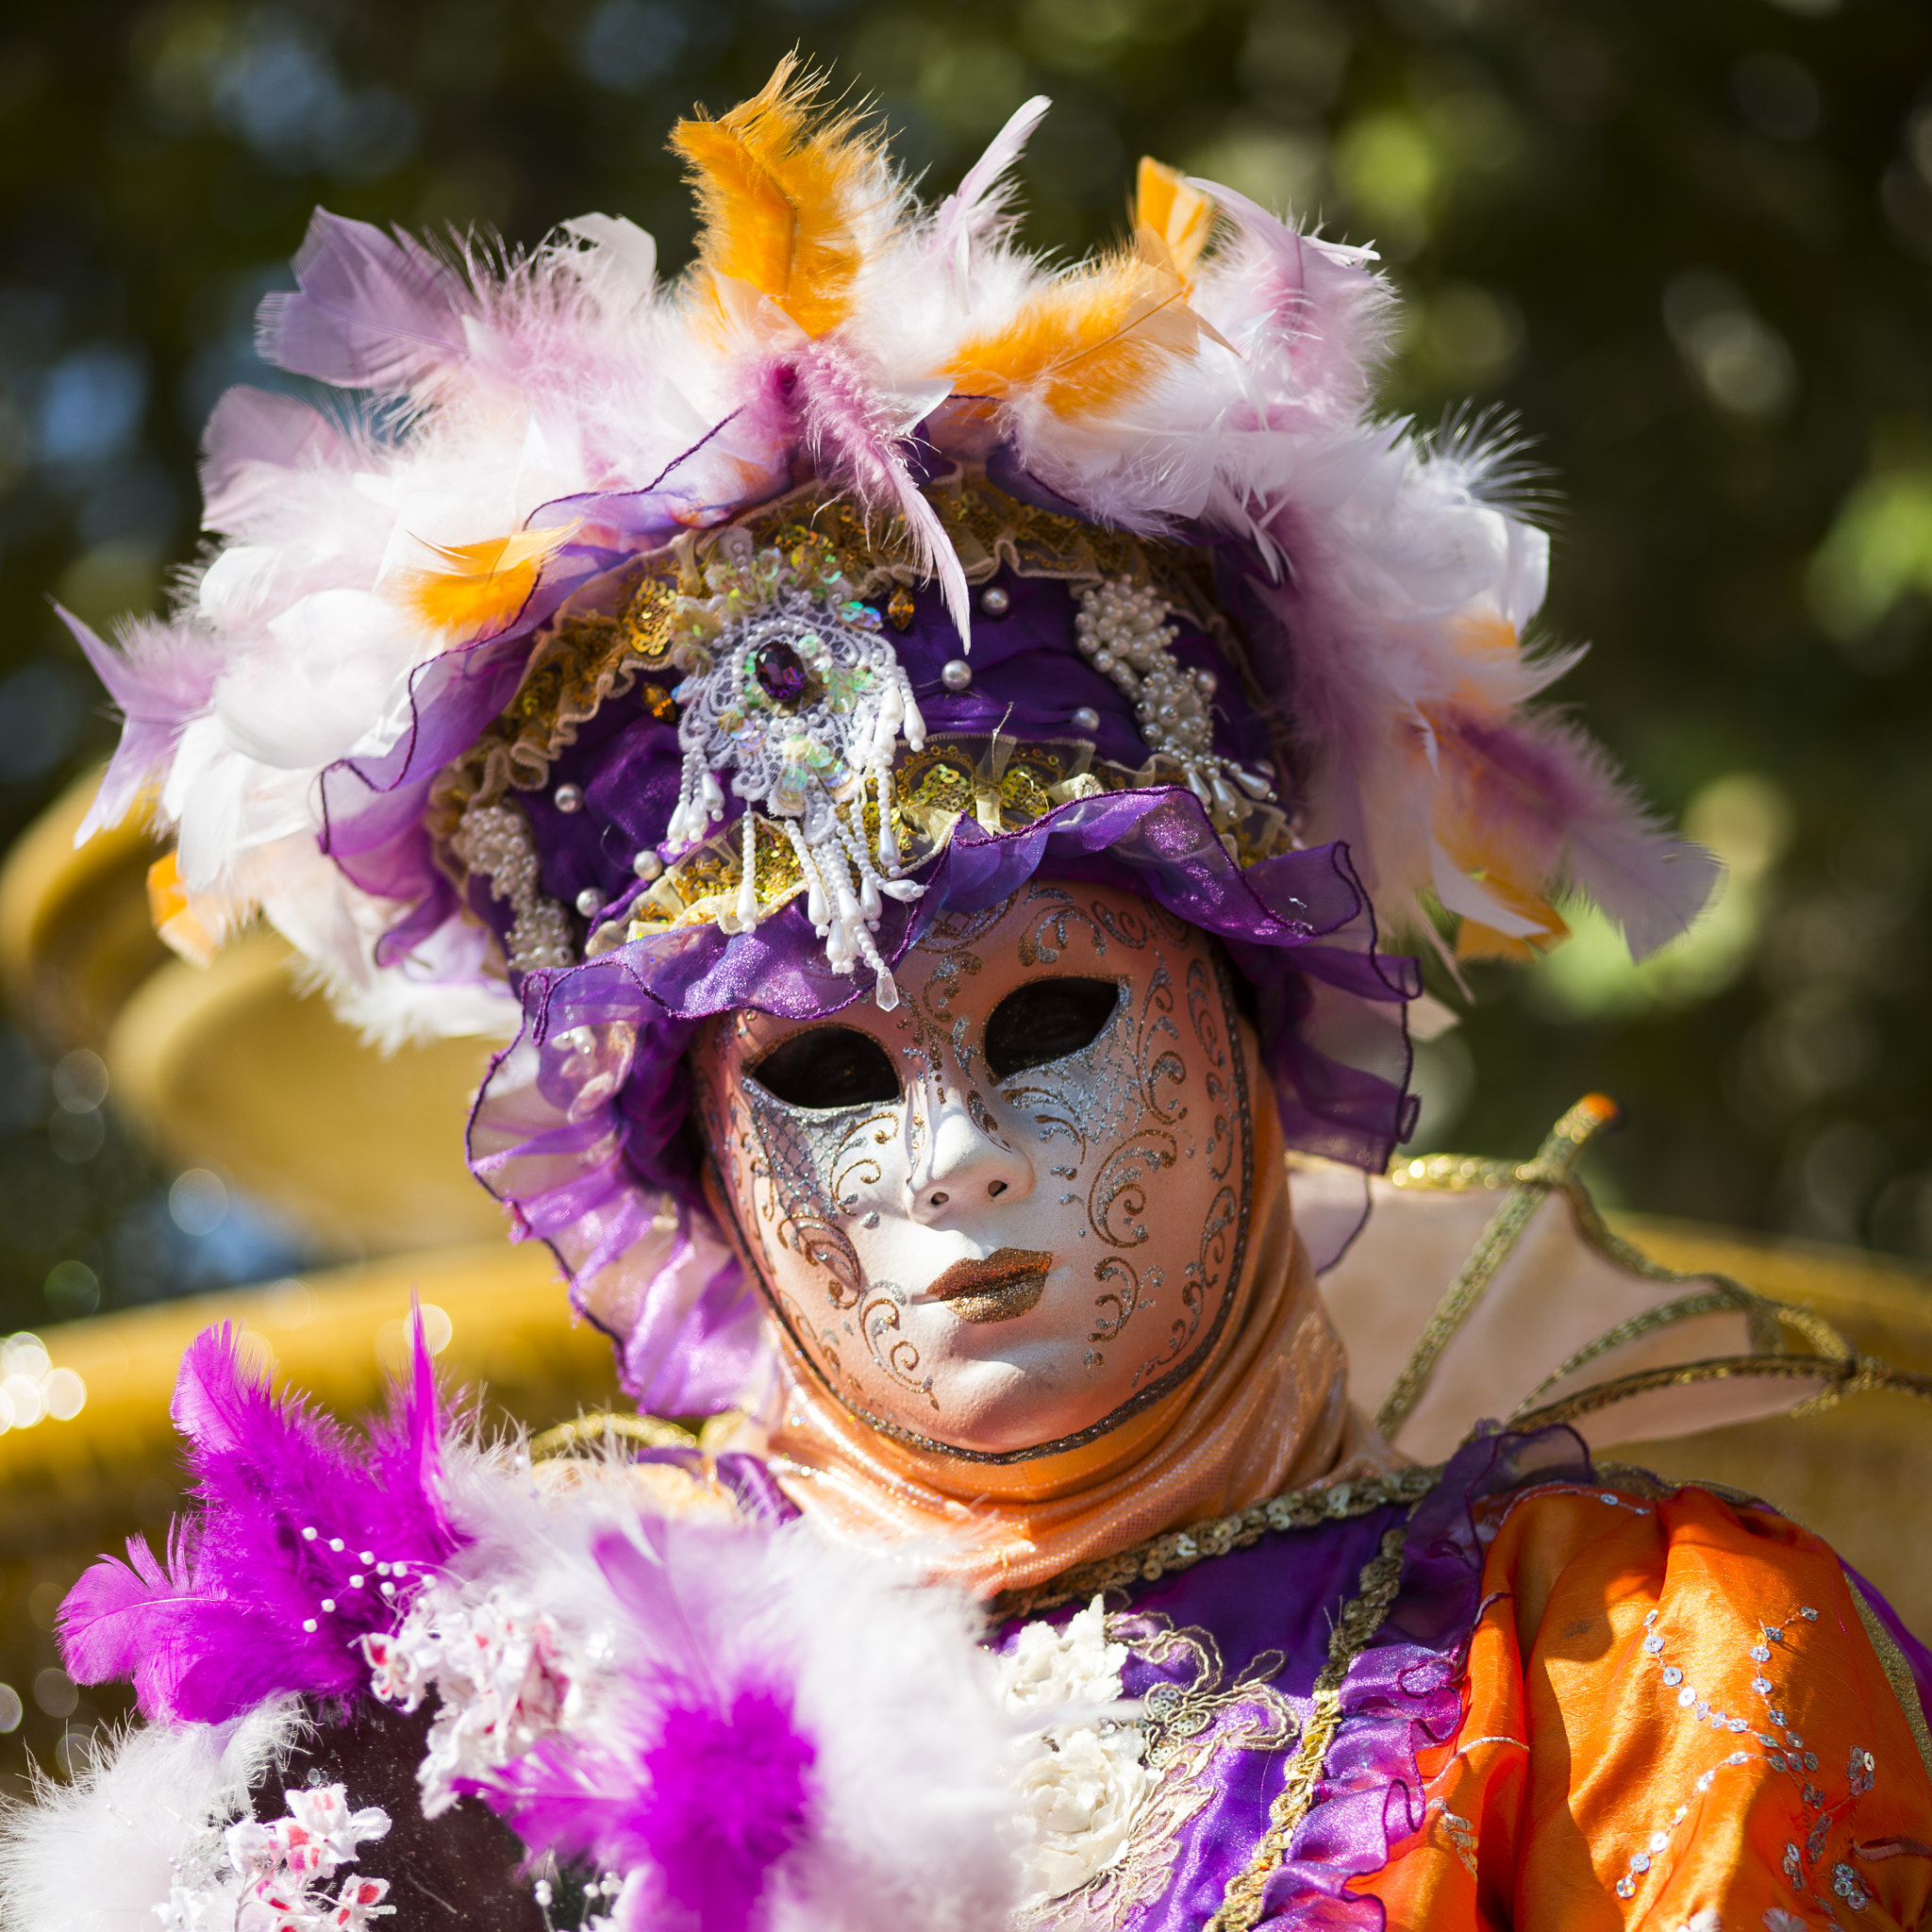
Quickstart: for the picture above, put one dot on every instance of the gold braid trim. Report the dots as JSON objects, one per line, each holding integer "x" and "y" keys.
{"x": 1361, "y": 1618}
{"x": 605, "y": 1430}
{"x": 1181, "y": 1549}
{"x": 1551, "y": 1168}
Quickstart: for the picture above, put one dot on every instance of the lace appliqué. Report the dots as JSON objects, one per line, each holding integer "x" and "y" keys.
{"x": 1082, "y": 1779}
{"x": 1191, "y": 1715}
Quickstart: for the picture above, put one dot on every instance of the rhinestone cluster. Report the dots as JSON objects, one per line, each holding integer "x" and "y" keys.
{"x": 1122, "y": 628}
{"x": 496, "y": 841}
{"x": 789, "y": 688}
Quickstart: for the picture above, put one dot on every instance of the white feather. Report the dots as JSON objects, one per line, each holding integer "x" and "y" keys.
{"x": 97, "y": 1855}
{"x": 914, "y": 1796}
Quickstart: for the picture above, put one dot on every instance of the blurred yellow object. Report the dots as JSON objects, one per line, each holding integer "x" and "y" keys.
{"x": 230, "y": 1065}
{"x": 1859, "y": 1472}
{"x": 496, "y": 1317}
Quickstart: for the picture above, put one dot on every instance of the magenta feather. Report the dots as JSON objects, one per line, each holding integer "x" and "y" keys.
{"x": 223, "y": 1623}
{"x": 374, "y": 311}
{"x": 161, "y": 678}
{"x": 703, "y": 1779}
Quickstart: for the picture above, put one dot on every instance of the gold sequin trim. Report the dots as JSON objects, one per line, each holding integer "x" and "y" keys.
{"x": 1788, "y": 1342}
{"x": 1551, "y": 1167}
{"x": 1002, "y": 783}
{"x": 592, "y": 654}
{"x": 1181, "y": 1549}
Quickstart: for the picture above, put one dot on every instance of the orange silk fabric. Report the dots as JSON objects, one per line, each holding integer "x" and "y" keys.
{"x": 1709, "y": 1825}
{"x": 1269, "y": 1413}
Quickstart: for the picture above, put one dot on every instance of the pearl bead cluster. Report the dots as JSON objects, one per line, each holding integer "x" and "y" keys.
{"x": 1121, "y": 629}
{"x": 496, "y": 841}
{"x": 386, "y": 1576}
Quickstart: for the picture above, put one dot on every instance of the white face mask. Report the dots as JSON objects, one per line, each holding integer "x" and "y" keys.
{"x": 1013, "y": 1211}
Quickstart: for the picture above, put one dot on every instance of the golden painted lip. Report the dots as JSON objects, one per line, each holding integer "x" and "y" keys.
{"x": 1004, "y": 1284}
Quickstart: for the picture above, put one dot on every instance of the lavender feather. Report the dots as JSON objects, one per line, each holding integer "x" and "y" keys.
{"x": 226, "y": 1622}
{"x": 374, "y": 311}
{"x": 252, "y": 439}
{"x": 159, "y": 679}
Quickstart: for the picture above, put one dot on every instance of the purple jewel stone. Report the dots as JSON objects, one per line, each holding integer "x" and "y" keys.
{"x": 781, "y": 674}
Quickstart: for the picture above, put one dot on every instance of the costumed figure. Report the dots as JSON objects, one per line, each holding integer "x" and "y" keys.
{"x": 933, "y": 759}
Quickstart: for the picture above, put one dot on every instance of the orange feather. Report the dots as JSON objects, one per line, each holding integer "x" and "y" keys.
{"x": 779, "y": 192}
{"x": 1104, "y": 331}
{"x": 1172, "y": 221}
{"x": 486, "y": 583}
{"x": 1087, "y": 340}
{"x": 173, "y": 912}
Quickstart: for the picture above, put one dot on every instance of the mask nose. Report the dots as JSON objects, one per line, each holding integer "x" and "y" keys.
{"x": 961, "y": 1164}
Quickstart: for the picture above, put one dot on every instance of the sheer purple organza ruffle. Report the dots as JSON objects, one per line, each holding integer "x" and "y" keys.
{"x": 1403, "y": 1692}
{"x": 579, "y": 1126}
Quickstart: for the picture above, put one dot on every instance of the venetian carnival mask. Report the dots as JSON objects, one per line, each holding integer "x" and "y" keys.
{"x": 1011, "y": 1212}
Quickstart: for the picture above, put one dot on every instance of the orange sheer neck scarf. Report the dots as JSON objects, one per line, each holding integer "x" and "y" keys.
{"x": 1268, "y": 1413}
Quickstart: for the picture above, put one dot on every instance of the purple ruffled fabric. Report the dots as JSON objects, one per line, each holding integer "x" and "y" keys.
{"x": 1403, "y": 1692}
{"x": 579, "y": 1126}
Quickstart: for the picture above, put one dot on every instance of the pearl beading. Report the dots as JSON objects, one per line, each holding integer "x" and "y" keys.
{"x": 1121, "y": 629}
{"x": 495, "y": 841}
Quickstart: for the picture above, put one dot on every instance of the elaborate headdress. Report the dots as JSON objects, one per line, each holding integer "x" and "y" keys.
{"x": 615, "y": 654}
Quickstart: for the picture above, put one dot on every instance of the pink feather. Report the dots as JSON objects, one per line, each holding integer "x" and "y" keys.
{"x": 853, "y": 437}
{"x": 1547, "y": 788}
{"x": 980, "y": 214}
{"x": 252, "y": 438}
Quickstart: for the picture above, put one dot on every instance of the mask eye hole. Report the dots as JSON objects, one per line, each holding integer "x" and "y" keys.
{"x": 1047, "y": 1021}
{"x": 828, "y": 1067}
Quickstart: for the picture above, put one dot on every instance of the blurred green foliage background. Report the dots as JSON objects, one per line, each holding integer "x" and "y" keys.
{"x": 1688, "y": 246}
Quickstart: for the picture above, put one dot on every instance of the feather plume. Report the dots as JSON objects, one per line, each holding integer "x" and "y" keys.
{"x": 486, "y": 584}
{"x": 372, "y": 310}
{"x": 978, "y": 213}
{"x": 160, "y": 678}
{"x": 855, "y": 435}
{"x": 1086, "y": 342}
{"x": 287, "y": 1508}
{"x": 1535, "y": 805}
{"x": 783, "y": 195}
{"x": 98, "y": 1853}
{"x": 1173, "y": 219}
{"x": 252, "y": 440}
{"x": 735, "y": 1764}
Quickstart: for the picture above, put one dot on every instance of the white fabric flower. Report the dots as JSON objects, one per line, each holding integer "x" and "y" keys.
{"x": 1081, "y": 1784}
